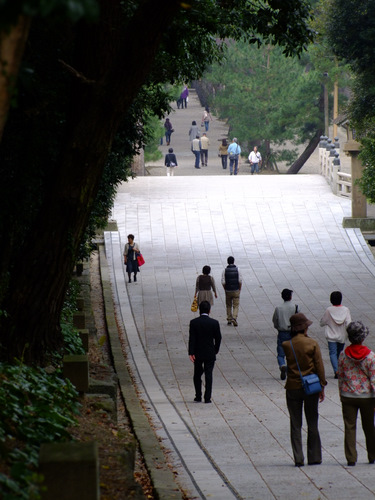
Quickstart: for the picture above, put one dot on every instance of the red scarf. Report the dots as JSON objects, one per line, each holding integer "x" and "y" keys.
{"x": 357, "y": 351}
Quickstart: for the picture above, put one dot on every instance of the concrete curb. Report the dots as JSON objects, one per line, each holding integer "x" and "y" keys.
{"x": 161, "y": 475}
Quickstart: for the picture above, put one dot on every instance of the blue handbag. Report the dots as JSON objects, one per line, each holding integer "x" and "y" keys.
{"x": 310, "y": 383}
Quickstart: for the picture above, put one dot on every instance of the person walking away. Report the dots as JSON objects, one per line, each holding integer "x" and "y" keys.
{"x": 356, "y": 374}
{"x": 196, "y": 149}
{"x": 231, "y": 280}
{"x": 205, "y": 142}
{"x": 281, "y": 322}
{"x": 170, "y": 162}
{"x": 310, "y": 361}
{"x": 335, "y": 320}
{"x": 204, "y": 345}
{"x": 206, "y": 118}
{"x": 131, "y": 251}
{"x": 184, "y": 96}
{"x": 194, "y": 131}
{"x": 203, "y": 286}
{"x": 168, "y": 131}
{"x": 255, "y": 160}
{"x": 223, "y": 153}
{"x": 234, "y": 151}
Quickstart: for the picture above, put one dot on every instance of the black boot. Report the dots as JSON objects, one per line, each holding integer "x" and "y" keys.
{"x": 130, "y": 280}
{"x": 135, "y": 277}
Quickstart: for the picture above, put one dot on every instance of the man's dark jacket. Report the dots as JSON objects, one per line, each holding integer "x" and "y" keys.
{"x": 204, "y": 337}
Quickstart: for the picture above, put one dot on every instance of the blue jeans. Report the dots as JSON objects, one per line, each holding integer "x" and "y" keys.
{"x": 168, "y": 136}
{"x": 224, "y": 161}
{"x": 255, "y": 168}
{"x": 197, "y": 156}
{"x": 281, "y": 337}
{"x": 233, "y": 163}
{"x": 207, "y": 125}
{"x": 334, "y": 352}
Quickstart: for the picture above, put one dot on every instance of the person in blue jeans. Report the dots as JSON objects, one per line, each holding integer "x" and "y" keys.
{"x": 335, "y": 320}
{"x": 234, "y": 151}
{"x": 281, "y": 321}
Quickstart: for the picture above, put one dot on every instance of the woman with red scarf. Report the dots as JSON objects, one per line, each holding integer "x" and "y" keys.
{"x": 356, "y": 374}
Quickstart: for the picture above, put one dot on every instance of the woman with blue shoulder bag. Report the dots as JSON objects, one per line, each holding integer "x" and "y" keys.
{"x": 304, "y": 360}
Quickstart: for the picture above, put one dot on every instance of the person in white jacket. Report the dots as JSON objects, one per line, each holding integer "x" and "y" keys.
{"x": 335, "y": 320}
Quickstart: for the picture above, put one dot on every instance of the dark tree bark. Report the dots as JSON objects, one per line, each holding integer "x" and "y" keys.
{"x": 302, "y": 159}
{"x": 112, "y": 61}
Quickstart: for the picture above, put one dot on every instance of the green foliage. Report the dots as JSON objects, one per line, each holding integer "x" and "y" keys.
{"x": 266, "y": 98}
{"x": 35, "y": 408}
{"x": 367, "y": 155}
{"x": 70, "y": 9}
{"x": 155, "y": 131}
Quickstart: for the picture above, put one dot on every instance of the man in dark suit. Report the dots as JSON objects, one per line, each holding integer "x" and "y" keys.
{"x": 204, "y": 344}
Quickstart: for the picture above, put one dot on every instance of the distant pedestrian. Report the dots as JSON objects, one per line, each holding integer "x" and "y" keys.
{"x": 194, "y": 131}
{"x": 356, "y": 374}
{"x": 206, "y": 118}
{"x": 168, "y": 131}
{"x": 170, "y": 162}
{"x": 196, "y": 149}
{"x": 223, "y": 153}
{"x": 185, "y": 96}
{"x": 336, "y": 319}
{"x": 231, "y": 279}
{"x": 255, "y": 159}
{"x": 234, "y": 151}
{"x": 204, "y": 286}
{"x": 281, "y": 321}
{"x": 204, "y": 345}
{"x": 308, "y": 355}
{"x": 131, "y": 251}
{"x": 205, "y": 142}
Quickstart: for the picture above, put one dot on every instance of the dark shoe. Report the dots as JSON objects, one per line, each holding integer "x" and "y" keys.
{"x": 283, "y": 372}
{"x": 336, "y": 376}
{"x": 234, "y": 321}
{"x": 135, "y": 278}
{"x": 198, "y": 400}
{"x": 229, "y": 323}
{"x": 129, "y": 280}
{"x": 299, "y": 464}
{"x": 315, "y": 463}
{"x": 197, "y": 167}
{"x": 371, "y": 461}
{"x": 351, "y": 464}
{"x": 207, "y": 400}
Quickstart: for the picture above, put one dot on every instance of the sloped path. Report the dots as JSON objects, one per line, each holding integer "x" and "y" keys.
{"x": 284, "y": 231}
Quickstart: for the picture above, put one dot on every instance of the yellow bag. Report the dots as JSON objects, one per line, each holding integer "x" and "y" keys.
{"x": 194, "y": 305}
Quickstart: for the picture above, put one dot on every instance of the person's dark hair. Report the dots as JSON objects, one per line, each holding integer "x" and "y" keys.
{"x": 170, "y": 150}
{"x": 286, "y": 294}
{"x": 206, "y": 270}
{"x": 207, "y": 109}
{"x": 131, "y": 236}
{"x": 230, "y": 260}
{"x": 224, "y": 142}
{"x": 336, "y": 298}
{"x": 204, "y": 307}
{"x": 197, "y": 137}
{"x": 193, "y": 122}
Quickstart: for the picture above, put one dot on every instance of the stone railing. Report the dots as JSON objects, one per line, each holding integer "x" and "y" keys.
{"x": 330, "y": 168}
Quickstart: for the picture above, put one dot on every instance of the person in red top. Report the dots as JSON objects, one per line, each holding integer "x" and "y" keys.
{"x": 356, "y": 374}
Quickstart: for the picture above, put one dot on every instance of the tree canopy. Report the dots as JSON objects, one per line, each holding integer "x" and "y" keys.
{"x": 267, "y": 98}
{"x": 86, "y": 73}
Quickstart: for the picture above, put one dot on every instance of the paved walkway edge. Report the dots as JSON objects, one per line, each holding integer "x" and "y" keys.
{"x": 161, "y": 475}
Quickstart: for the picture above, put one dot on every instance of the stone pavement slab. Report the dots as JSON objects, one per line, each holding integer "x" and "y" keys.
{"x": 284, "y": 231}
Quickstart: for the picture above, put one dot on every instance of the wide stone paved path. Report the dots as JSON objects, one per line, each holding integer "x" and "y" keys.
{"x": 284, "y": 231}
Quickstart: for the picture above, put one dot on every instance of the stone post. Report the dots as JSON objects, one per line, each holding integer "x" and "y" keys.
{"x": 359, "y": 203}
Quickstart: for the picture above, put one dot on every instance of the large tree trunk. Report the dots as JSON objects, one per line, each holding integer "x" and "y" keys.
{"x": 12, "y": 46}
{"x": 111, "y": 65}
{"x": 302, "y": 159}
